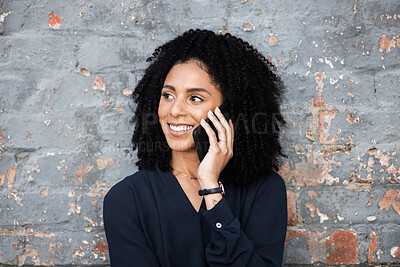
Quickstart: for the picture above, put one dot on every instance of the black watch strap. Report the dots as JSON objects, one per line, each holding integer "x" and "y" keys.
{"x": 219, "y": 189}
{"x": 210, "y": 191}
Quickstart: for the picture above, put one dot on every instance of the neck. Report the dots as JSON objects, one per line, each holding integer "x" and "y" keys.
{"x": 186, "y": 162}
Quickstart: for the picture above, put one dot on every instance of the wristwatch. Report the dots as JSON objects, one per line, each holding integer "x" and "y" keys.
{"x": 219, "y": 189}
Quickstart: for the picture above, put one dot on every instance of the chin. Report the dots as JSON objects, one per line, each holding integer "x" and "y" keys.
{"x": 182, "y": 147}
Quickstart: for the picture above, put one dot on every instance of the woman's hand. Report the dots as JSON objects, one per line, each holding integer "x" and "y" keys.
{"x": 219, "y": 153}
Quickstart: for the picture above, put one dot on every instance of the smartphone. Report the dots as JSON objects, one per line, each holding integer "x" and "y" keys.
{"x": 200, "y": 136}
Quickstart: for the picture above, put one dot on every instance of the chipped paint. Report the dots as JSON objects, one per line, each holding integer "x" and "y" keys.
{"x": 247, "y": 27}
{"x": 373, "y": 245}
{"x": 312, "y": 194}
{"x": 74, "y": 209}
{"x": 11, "y": 175}
{"x": 28, "y": 252}
{"x": 54, "y": 21}
{"x": 103, "y": 163}
{"x": 98, "y": 84}
{"x": 2, "y": 178}
{"x": 26, "y": 232}
{"x": 292, "y": 210}
{"x": 343, "y": 247}
{"x": 385, "y": 43}
{"x": 391, "y": 198}
{"x": 314, "y": 171}
{"x": 298, "y": 233}
{"x": 82, "y": 171}
{"x": 85, "y": 72}
{"x": 100, "y": 250}
{"x": 395, "y": 252}
{"x": 273, "y": 40}
{"x": 127, "y": 92}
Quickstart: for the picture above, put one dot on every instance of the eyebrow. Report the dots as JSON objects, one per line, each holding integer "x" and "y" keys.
{"x": 190, "y": 90}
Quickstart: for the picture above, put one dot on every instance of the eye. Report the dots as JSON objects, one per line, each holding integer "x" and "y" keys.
{"x": 196, "y": 99}
{"x": 167, "y": 96}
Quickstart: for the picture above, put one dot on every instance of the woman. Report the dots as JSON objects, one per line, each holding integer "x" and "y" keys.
{"x": 161, "y": 215}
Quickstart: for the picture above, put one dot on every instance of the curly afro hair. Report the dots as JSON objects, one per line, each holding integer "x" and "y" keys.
{"x": 245, "y": 78}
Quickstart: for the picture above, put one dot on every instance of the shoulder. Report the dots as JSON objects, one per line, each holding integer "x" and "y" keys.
{"x": 272, "y": 179}
{"x": 271, "y": 184}
{"x": 125, "y": 189}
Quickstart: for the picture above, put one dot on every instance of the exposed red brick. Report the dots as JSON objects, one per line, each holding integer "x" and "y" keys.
{"x": 80, "y": 172}
{"x": 54, "y": 21}
{"x": 342, "y": 247}
{"x": 373, "y": 245}
{"x": 383, "y": 159}
{"x": 51, "y": 248}
{"x": 106, "y": 102}
{"x": 301, "y": 233}
{"x": 11, "y": 175}
{"x": 79, "y": 252}
{"x": 98, "y": 84}
{"x": 28, "y": 252}
{"x": 93, "y": 223}
{"x": 27, "y": 231}
{"x": 312, "y": 194}
{"x": 349, "y": 118}
{"x": 2, "y": 178}
{"x": 273, "y": 40}
{"x": 325, "y": 117}
{"x": 94, "y": 203}
{"x": 319, "y": 78}
{"x": 392, "y": 169}
{"x": 312, "y": 208}
{"x": 304, "y": 173}
{"x": 127, "y": 91}
{"x": 44, "y": 192}
{"x": 292, "y": 210}
{"x": 385, "y": 43}
{"x": 314, "y": 171}
{"x": 100, "y": 249}
{"x": 74, "y": 209}
{"x": 102, "y": 163}
{"x": 391, "y": 197}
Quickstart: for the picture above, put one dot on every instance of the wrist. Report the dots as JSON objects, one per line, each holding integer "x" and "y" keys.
{"x": 208, "y": 184}
{"x": 214, "y": 190}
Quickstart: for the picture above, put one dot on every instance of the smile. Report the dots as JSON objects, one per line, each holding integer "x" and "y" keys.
{"x": 180, "y": 128}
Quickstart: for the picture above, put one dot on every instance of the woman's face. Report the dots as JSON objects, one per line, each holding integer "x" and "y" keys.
{"x": 186, "y": 97}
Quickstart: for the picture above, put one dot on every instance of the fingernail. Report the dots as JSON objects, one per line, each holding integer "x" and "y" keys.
{"x": 217, "y": 109}
{"x": 210, "y": 113}
{"x": 202, "y": 120}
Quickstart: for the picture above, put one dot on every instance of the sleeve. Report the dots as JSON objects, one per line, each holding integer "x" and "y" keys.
{"x": 262, "y": 242}
{"x": 127, "y": 244}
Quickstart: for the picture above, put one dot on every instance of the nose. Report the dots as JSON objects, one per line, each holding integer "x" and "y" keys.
{"x": 178, "y": 108}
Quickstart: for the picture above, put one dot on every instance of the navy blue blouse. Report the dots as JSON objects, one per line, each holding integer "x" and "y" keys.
{"x": 149, "y": 221}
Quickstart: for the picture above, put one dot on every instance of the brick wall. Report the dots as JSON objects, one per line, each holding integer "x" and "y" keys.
{"x": 67, "y": 69}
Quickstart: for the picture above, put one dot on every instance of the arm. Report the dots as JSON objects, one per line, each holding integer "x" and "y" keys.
{"x": 126, "y": 241}
{"x": 262, "y": 242}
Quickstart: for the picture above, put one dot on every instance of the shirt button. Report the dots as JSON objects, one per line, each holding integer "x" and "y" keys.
{"x": 218, "y": 225}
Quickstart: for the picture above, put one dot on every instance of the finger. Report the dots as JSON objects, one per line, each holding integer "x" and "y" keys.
{"x": 232, "y": 131}
{"x": 217, "y": 124}
{"x": 224, "y": 123}
{"x": 211, "y": 134}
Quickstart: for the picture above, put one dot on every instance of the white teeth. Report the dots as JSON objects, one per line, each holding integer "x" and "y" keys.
{"x": 180, "y": 128}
